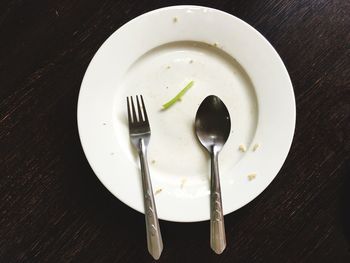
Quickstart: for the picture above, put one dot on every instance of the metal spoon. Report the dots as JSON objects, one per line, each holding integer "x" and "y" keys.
{"x": 213, "y": 127}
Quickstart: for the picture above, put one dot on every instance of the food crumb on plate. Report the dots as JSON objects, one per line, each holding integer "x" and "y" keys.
{"x": 242, "y": 148}
{"x": 251, "y": 176}
{"x": 175, "y": 19}
{"x": 104, "y": 123}
{"x": 256, "y": 146}
{"x": 183, "y": 181}
{"x": 158, "y": 191}
{"x": 191, "y": 61}
{"x": 168, "y": 67}
{"x": 153, "y": 161}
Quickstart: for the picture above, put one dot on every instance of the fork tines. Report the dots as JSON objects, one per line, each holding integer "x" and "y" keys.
{"x": 141, "y": 116}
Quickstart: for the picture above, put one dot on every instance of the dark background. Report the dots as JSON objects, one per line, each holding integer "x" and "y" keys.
{"x": 53, "y": 208}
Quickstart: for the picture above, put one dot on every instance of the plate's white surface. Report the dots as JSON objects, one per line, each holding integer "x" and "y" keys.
{"x": 156, "y": 55}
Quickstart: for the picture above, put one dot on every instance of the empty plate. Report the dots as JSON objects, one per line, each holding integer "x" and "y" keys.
{"x": 156, "y": 55}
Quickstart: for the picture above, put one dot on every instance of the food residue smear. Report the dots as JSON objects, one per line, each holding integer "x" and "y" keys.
{"x": 256, "y": 146}
{"x": 158, "y": 191}
{"x": 251, "y": 176}
{"x": 242, "y": 148}
{"x": 183, "y": 181}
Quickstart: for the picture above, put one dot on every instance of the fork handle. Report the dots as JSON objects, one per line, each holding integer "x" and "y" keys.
{"x": 154, "y": 237}
{"x": 217, "y": 225}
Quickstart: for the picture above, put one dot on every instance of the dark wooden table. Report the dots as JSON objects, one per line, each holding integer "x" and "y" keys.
{"x": 53, "y": 208}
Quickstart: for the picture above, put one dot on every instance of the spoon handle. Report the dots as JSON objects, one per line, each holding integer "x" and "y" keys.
{"x": 217, "y": 226}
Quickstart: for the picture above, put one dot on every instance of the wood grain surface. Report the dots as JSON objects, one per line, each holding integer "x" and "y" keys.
{"x": 54, "y": 209}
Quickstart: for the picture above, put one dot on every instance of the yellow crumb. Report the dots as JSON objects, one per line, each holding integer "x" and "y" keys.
{"x": 158, "y": 191}
{"x": 175, "y": 19}
{"x": 256, "y": 146}
{"x": 183, "y": 181}
{"x": 242, "y": 148}
{"x": 153, "y": 161}
{"x": 251, "y": 176}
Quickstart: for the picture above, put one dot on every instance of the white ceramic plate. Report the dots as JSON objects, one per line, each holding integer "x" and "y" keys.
{"x": 156, "y": 55}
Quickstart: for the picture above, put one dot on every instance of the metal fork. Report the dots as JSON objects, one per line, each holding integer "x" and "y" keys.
{"x": 140, "y": 134}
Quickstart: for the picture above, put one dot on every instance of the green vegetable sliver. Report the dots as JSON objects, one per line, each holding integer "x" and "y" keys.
{"x": 178, "y": 96}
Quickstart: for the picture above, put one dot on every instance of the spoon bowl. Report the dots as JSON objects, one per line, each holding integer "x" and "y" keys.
{"x": 213, "y": 123}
